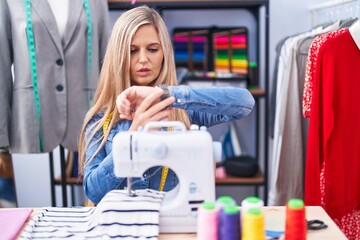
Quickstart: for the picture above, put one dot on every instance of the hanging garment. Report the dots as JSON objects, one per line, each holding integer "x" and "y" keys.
{"x": 311, "y": 66}
{"x": 290, "y": 132}
{"x": 116, "y": 216}
{"x": 332, "y": 160}
{"x": 62, "y": 73}
{"x": 288, "y": 157}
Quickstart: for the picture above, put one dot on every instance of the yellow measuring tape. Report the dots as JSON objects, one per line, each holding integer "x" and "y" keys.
{"x": 164, "y": 172}
{"x": 107, "y": 122}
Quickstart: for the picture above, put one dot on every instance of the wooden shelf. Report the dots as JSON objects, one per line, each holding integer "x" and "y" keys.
{"x": 257, "y": 92}
{"x": 186, "y": 4}
{"x": 69, "y": 180}
{"x": 258, "y": 179}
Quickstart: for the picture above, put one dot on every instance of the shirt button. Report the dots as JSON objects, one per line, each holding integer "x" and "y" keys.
{"x": 59, "y": 62}
{"x": 59, "y": 87}
{"x": 178, "y": 100}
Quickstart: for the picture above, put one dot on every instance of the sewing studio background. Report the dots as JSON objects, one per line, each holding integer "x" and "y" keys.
{"x": 286, "y": 18}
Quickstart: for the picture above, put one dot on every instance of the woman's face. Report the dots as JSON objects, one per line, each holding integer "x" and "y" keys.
{"x": 146, "y": 56}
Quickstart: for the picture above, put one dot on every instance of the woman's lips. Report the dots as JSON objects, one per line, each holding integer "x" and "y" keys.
{"x": 143, "y": 72}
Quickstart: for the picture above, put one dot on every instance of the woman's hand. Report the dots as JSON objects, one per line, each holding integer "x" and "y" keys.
{"x": 130, "y": 99}
{"x": 142, "y": 105}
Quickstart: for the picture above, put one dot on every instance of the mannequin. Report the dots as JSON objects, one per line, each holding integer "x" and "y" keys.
{"x": 60, "y": 10}
{"x": 66, "y": 75}
{"x": 63, "y": 83}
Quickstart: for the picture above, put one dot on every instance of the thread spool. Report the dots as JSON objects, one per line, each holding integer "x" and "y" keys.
{"x": 207, "y": 222}
{"x": 251, "y": 202}
{"x": 253, "y": 225}
{"x": 295, "y": 224}
{"x": 229, "y": 223}
{"x": 223, "y": 201}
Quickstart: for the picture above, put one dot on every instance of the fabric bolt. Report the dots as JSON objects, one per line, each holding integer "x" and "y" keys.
{"x": 334, "y": 133}
{"x": 117, "y": 216}
{"x": 62, "y": 72}
{"x": 205, "y": 107}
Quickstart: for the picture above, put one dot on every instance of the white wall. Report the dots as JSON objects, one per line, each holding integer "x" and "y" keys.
{"x": 32, "y": 171}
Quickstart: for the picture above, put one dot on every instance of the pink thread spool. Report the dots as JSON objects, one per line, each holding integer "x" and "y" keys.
{"x": 207, "y": 222}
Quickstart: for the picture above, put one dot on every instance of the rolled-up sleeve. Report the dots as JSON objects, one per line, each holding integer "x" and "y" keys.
{"x": 219, "y": 104}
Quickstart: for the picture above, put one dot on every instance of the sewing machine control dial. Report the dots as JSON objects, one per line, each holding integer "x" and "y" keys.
{"x": 159, "y": 150}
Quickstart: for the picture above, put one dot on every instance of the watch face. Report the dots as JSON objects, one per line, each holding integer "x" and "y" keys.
{"x": 166, "y": 92}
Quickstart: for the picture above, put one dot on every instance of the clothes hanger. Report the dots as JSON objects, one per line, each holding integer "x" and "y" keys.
{"x": 347, "y": 22}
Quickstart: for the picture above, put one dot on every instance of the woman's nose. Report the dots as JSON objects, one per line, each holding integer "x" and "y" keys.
{"x": 143, "y": 56}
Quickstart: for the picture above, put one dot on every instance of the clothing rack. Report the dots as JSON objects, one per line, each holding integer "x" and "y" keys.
{"x": 334, "y": 10}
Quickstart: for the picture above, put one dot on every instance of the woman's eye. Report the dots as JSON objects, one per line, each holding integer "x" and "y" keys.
{"x": 153, "y": 50}
{"x": 132, "y": 51}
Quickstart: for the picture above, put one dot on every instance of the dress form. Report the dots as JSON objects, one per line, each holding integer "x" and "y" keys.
{"x": 60, "y": 10}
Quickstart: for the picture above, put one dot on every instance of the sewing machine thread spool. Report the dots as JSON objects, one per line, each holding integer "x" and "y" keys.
{"x": 229, "y": 223}
{"x": 295, "y": 224}
{"x": 223, "y": 201}
{"x": 207, "y": 222}
{"x": 253, "y": 225}
{"x": 251, "y": 202}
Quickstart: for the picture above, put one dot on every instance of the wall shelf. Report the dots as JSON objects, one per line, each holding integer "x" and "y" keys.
{"x": 257, "y": 8}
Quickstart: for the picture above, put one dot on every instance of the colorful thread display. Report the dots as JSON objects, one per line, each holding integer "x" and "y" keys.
{"x": 230, "y": 51}
{"x": 207, "y": 222}
{"x": 190, "y": 49}
{"x": 253, "y": 226}
{"x": 295, "y": 224}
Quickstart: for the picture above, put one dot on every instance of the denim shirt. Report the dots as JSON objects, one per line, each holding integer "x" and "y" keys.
{"x": 206, "y": 106}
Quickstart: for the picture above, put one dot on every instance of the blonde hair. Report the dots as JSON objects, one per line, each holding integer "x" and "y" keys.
{"x": 115, "y": 74}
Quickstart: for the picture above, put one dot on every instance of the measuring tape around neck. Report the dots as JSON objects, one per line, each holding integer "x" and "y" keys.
{"x": 32, "y": 56}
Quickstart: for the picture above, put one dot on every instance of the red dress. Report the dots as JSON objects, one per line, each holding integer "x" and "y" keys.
{"x": 332, "y": 177}
{"x": 311, "y": 66}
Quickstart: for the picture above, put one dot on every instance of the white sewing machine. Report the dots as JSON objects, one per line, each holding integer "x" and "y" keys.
{"x": 188, "y": 153}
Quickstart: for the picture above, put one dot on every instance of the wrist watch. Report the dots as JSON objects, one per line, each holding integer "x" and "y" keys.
{"x": 4, "y": 150}
{"x": 166, "y": 90}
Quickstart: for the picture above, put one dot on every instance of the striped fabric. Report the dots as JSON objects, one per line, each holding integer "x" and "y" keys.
{"x": 117, "y": 216}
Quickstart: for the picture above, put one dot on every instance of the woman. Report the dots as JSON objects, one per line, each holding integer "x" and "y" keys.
{"x": 140, "y": 57}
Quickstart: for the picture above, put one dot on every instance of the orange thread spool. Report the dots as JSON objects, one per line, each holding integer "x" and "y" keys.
{"x": 295, "y": 225}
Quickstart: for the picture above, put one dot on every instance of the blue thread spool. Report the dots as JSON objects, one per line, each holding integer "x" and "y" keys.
{"x": 229, "y": 222}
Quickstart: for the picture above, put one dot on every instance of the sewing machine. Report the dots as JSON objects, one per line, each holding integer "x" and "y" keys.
{"x": 188, "y": 153}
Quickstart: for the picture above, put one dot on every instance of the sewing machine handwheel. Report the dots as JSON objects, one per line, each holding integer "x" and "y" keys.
{"x": 159, "y": 150}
